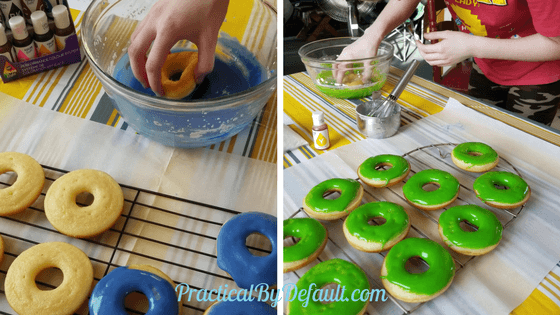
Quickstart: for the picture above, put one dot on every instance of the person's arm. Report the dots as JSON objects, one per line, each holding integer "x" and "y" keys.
{"x": 168, "y": 22}
{"x": 457, "y": 46}
{"x": 393, "y": 15}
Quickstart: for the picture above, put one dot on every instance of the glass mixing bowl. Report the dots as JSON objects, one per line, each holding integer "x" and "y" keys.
{"x": 319, "y": 57}
{"x": 247, "y": 37}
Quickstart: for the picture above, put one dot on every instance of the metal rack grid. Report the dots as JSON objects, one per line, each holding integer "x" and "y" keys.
{"x": 176, "y": 235}
{"x": 418, "y": 227}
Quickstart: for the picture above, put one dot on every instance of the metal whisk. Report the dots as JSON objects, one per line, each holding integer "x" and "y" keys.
{"x": 384, "y": 108}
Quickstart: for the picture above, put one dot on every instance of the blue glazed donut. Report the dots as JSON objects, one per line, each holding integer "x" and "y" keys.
{"x": 235, "y": 307}
{"x": 234, "y": 258}
{"x": 109, "y": 293}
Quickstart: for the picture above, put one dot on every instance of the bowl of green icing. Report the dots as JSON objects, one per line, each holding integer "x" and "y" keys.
{"x": 361, "y": 77}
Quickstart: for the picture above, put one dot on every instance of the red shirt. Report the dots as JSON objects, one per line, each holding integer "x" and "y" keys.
{"x": 511, "y": 19}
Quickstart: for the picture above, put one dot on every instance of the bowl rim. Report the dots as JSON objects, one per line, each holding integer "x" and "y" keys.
{"x": 146, "y": 100}
{"x": 385, "y": 43}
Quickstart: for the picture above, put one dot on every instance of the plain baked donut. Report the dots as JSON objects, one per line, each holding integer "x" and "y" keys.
{"x": 177, "y": 74}
{"x": 110, "y": 292}
{"x": 26, "y": 188}
{"x": 69, "y": 218}
{"x": 26, "y": 298}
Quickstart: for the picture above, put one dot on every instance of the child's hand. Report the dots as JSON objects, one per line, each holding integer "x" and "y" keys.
{"x": 452, "y": 48}
{"x": 361, "y": 48}
{"x": 168, "y": 22}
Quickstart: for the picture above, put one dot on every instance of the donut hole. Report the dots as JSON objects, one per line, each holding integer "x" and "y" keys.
{"x": 258, "y": 244}
{"x": 500, "y": 187}
{"x": 176, "y": 76}
{"x": 331, "y": 194}
{"x": 376, "y": 221}
{"x": 7, "y": 179}
{"x": 431, "y": 187}
{"x": 49, "y": 279}
{"x": 474, "y": 153}
{"x": 383, "y": 166}
{"x": 84, "y": 199}
{"x": 136, "y": 303}
{"x": 416, "y": 265}
{"x": 291, "y": 241}
{"x": 328, "y": 293}
{"x": 467, "y": 226}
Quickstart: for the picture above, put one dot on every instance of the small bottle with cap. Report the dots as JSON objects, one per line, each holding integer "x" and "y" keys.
{"x": 6, "y": 48}
{"x": 44, "y": 37}
{"x": 63, "y": 26}
{"x": 320, "y": 131}
{"x": 23, "y": 43}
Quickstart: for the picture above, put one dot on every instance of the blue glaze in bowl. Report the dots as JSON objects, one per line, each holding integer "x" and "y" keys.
{"x": 243, "y": 81}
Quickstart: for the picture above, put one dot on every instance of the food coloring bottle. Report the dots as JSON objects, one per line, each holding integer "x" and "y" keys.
{"x": 6, "y": 48}
{"x": 63, "y": 26}
{"x": 23, "y": 43}
{"x": 10, "y": 8}
{"x": 30, "y": 6}
{"x": 320, "y": 131}
{"x": 44, "y": 37}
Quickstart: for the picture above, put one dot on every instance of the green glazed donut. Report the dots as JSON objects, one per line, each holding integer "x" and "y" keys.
{"x": 376, "y": 238}
{"x": 417, "y": 287}
{"x": 479, "y": 242}
{"x": 368, "y": 173}
{"x": 316, "y": 206}
{"x": 516, "y": 194}
{"x": 312, "y": 236}
{"x": 474, "y": 157}
{"x": 431, "y": 200}
{"x": 337, "y": 271}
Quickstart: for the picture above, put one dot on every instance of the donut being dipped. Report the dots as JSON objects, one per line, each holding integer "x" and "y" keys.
{"x": 177, "y": 74}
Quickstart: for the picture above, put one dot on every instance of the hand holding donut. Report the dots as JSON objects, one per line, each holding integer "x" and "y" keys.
{"x": 168, "y": 22}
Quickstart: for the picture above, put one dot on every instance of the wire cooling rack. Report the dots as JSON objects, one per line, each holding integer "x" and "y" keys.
{"x": 424, "y": 224}
{"x": 176, "y": 235}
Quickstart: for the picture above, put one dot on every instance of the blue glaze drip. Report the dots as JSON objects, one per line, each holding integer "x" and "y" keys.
{"x": 109, "y": 293}
{"x": 235, "y": 307}
{"x": 234, "y": 257}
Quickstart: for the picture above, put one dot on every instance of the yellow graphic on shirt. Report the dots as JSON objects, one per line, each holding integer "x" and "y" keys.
{"x": 470, "y": 20}
{"x": 321, "y": 140}
{"x": 494, "y": 2}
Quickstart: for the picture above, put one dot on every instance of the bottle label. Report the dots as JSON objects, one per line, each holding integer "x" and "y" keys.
{"x": 26, "y": 53}
{"x": 46, "y": 48}
{"x": 321, "y": 139}
{"x": 30, "y": 6}
{"x": 10, "y": 9}
{"x": 7, "y": 55}
{"x": 61, "y": 41}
